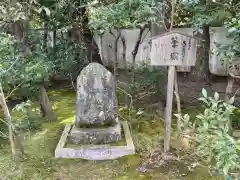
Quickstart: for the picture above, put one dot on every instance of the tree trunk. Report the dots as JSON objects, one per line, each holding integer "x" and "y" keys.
{"x": 228, "y": 95}
{"x": 125, "y": 66}
{"x": 205, "y": 64}
{"x": 102, "y": 52}
{"x": 92, "y": 47}
{"x": 179, "y": 122}
{"x": 20, "y": 31}
{"x": 9, "y": 122}
{"x": 229, "y": 87}
{"x": 46, "y": 106}
{"x": 93, "y": 54}
{"x": 124, "y": 52}
{"x": 135, "y": 51}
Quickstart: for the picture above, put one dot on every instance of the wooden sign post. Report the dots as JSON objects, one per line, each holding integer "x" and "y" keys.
{"x": 172, "y": 49}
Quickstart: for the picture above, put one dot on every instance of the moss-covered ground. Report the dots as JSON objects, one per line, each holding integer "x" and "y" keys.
{"x": 40, "y": 164}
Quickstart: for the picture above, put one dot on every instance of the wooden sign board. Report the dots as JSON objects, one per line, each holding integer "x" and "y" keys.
{"x": 173, "y": 49}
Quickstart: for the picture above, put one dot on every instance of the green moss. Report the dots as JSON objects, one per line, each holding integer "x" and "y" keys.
{"x": 147, "y": 130}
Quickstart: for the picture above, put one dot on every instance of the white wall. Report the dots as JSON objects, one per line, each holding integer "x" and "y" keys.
{"x": 216, "y": 67}
{"x": 131, "y": 36}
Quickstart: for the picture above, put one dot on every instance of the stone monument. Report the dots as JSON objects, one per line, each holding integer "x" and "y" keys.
{"x": 96, "y": 119}
{"x": 97, "y": 122}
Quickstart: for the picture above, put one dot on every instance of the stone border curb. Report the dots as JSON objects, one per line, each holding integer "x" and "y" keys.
{"x": 95, "y": 152}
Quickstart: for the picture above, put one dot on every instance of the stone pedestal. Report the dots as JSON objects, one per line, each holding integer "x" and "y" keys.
{"x": 95, "y": 152}
{"x": 96, "y": 135}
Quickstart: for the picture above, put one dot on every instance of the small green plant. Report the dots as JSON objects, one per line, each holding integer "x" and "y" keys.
{"x": 212, "y": 133}
{"x": 235, "y": 119}
{"x": 149, "y": 80}
{"x": 28, "y": 121}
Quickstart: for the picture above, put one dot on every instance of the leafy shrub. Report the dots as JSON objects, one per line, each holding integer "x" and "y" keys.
{"x": 19, "y": 72}
{"x": 212, "y": 132}
{"x": 148, "y": 79}
{"x": 68, "y": 57}
{"x": 28, "y": 121}
{"x": 236, "y": 119}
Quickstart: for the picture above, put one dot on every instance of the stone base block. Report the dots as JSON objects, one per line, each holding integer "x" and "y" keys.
{"x": 236, "y": 134}
{"x": 95, "y": 152}
{"x": 95, "y": 135}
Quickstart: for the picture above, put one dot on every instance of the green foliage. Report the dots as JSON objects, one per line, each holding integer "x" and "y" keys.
{"x": 123, "y": 14}
{"x": 217, "y": 13}
{"x": 213, "y": 13}
{"x": 29, "y": 121}
{"x": 211, "y": 129}
{"x": 65, "y": 58}
{"x": 17, "y": 71}
{"x": 149, "y": 80}
{"x": 12, "y": 11}
{"x": 235, "y": 119}
{"x": 68, "y": 57}
{"x": 231, "y": 50}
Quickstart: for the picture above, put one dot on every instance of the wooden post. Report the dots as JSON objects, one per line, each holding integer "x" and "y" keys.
{"x": 172, "y": 49}
{"x": 168, "y": 112}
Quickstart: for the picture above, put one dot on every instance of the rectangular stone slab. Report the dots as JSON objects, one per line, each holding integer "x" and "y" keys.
{"x": 96, "y": 135}
{"x": 236, "y": 133}
{"x": 96, "y": 152}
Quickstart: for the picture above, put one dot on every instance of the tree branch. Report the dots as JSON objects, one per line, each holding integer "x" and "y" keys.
{"x": 234, "y": 76}
{"x": 12, "y": 65}
{"x": 13, "y": 90}
{"x": 112, "y": 34}
{"x": 144, "y": 36}
{"x": 173, "y": 12}
{"x": 135, "y": 50}
{"x": 72, "y": 82}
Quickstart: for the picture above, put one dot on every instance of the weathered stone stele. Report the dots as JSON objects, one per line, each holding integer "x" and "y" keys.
{"x": 96, "y": 105}
{"x": 96, "y": 99}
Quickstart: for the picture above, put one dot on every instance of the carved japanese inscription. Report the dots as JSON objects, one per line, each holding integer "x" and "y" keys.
{"x": 173, "y": 49}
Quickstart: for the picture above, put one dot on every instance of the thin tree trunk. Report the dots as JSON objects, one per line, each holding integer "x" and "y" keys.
{"x": 228, "y": 93}
{"x": 116, "y": 58}
{"x": 135, "y": 51}
{"x": 9, "y": 121}
{"x": 125, "y": 65}
{"x": 54, "y": 38}
{"x": 101, "y": 42}
{"x": 46, "y": 106}
{"x": 205, "y": 63}
{"x": 229, "y": 88}
{"x": 179, "y": 123}
{"x": 20, "y": 31}
{"x": 124, "y": 52}
{"x": 92, "y": 47}
{"x": 172, "y": 82}
{"x": 93, "y": 54}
